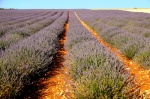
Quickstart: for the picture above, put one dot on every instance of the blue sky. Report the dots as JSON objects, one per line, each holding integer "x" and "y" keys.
{"x": 68, "y": 4}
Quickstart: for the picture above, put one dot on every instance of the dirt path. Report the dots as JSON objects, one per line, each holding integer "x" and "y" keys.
{"x": 142, "y": 75}
{"x": 57, "y": 86}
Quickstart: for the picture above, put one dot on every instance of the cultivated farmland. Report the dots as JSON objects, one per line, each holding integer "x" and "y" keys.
{"x": 74, "y": 54}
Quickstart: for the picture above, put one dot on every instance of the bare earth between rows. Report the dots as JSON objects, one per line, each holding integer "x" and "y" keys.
{"x": 57, "y": 86}
{"x": 142, "y": 76}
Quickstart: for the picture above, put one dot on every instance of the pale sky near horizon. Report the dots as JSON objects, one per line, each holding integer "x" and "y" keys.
{"x": 76, "y": 4}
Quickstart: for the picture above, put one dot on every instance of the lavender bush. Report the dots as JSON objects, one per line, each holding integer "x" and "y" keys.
{"x": 97, "y": 73}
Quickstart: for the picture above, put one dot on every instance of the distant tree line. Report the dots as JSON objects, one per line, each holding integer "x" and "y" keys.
{"x": 7, "y": 8}
{"x": 1, "y": 8}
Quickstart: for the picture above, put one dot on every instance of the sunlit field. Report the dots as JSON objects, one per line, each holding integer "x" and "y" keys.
{"x": 75, "y": 54}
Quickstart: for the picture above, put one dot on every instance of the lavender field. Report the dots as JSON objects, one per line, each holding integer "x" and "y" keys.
{"x": 28, "y": 45}
{"x": 29, "y": 41}
{"x": 127, "y": 31}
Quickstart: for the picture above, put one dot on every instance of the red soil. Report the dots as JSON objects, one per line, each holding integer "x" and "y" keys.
{"x": 142, "y": 75}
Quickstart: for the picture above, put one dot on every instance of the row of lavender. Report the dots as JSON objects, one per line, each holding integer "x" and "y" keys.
{"x": 10, "y": 15}
{"x": 14, "y": 15}
{"x": 12, "y": 24}
{"x": 128, "y": 31}
{"x": 97, "y": 72}
{"x": 14, "y": 33}
{"x": 20, "y": 22}
{"x": 29, "y": 56}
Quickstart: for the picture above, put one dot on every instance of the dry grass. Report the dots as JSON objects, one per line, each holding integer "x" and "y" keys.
{"x": 145, "y": 10}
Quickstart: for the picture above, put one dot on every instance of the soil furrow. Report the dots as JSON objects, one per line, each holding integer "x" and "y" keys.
{"x": 57, "y": 86}
{"x": 142, "y": 76}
